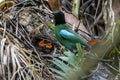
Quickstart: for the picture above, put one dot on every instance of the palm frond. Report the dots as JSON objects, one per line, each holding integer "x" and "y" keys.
{"x": 68, "y": 64}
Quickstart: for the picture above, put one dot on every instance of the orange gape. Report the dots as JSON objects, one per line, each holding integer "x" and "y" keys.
{"x": 49, "y": 45}
{"x": 94, "y": 41}
{"x": 41, "y": 43}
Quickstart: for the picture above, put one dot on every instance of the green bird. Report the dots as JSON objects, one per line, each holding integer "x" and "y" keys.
{"x": 65, "y": 35}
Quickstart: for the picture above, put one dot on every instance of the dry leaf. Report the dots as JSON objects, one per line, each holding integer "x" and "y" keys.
{"x": 54, "y": 4}
{"x": 5, "y": 5}
{"x": 75, "y": 23}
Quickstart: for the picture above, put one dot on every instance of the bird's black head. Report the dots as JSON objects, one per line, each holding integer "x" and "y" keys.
{"x": 59, "y": 17}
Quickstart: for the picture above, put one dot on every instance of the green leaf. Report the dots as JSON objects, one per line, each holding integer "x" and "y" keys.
{"x": 64, "y": 58}
{"x": 68, "y": 64}
{"x": 61, "y": 73}
{"x": 61, "y": 64}
{"x": 72, "y": 59}
{"x": 80, "y": 50}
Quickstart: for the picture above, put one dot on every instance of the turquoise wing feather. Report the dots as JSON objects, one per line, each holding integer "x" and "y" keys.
{"x": 73, "y": 37}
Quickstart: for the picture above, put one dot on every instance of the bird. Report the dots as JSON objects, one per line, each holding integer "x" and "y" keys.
{"x": 66, "y": 36}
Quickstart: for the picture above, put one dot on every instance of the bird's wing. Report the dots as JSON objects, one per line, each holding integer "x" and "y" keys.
{"x": 71, "y": 36}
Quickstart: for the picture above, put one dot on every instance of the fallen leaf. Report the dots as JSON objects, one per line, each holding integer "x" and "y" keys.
{"x": 54, "y": 4}
{"x": 5, "y": 5}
